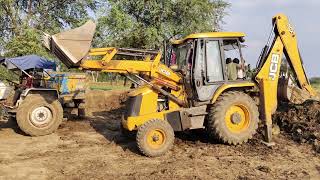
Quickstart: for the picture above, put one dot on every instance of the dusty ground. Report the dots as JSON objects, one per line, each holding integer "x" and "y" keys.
{"x": 94, "y": 149}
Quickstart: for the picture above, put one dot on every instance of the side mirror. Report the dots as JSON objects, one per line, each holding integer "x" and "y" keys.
{"x": 242, "y": 40}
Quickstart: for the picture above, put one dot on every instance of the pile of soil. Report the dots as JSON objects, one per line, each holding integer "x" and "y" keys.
{"x": 300, "y": 122}
{"x": 103, "y": 101}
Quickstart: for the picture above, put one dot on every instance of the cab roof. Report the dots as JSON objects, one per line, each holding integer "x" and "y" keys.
{"x": 209, "y": 35}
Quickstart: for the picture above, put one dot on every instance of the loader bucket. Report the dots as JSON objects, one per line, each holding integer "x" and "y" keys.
{"x": 73, "y": 45}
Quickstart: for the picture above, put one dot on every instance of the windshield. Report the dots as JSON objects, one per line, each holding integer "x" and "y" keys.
{"x": 231, "y": 49}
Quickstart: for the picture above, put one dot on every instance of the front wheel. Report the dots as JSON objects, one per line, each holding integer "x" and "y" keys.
{"x": 39, "y": 114}
{"x": 155, "y": 138}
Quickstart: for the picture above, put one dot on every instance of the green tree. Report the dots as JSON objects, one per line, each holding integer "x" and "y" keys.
{"x": 28, "y": 42}
{"x": 145, "y": 24}
{"x": 21, "y": 22}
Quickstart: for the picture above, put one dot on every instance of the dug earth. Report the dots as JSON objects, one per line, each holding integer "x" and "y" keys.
{"x": 93, "y": 148}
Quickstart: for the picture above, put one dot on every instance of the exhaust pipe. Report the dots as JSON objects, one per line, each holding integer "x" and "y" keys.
{"x": 71, "y": 46}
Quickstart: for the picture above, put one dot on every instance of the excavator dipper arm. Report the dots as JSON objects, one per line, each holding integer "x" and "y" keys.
{"x": 285, "y": 42}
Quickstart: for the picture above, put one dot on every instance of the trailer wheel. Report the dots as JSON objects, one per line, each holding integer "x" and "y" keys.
{"x": 39, "y": 114}
{"x": 155, "y": 138}
{"x": 233, "y": 118}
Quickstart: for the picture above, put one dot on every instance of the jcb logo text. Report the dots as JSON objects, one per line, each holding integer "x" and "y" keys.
{"x": 274, "y": 66}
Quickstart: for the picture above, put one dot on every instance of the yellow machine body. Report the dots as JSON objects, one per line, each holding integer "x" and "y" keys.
{"x": 146, "y": 108}
{"x": 163, "y": 83}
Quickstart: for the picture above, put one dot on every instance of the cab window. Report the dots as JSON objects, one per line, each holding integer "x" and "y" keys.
{"x": 235, "y": 65}
{"x": 231, "y": 49}
{"x": 213, "y": 61}
{"x": 182, "y": 55}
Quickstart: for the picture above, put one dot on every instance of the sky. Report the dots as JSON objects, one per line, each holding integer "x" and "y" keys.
{"x": 253, "y": 17}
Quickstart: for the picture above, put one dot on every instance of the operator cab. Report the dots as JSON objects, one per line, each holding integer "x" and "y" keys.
{"x": 201, "y": 59}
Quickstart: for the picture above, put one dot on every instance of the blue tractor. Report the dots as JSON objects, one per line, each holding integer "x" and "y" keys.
{"x": 37, "y": 100}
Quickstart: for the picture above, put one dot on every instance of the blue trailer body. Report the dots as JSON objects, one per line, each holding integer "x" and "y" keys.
{"x": 67, "y": 83}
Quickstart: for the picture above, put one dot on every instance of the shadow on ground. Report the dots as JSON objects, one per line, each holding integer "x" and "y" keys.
{"x": 108, "y": 124}
{"x": 10, "y": 123}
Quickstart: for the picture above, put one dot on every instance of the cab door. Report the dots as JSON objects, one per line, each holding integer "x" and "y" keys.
{"x": 208, "y": 69}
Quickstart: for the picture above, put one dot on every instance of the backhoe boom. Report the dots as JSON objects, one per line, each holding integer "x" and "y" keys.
{"x": 285, "y": 42}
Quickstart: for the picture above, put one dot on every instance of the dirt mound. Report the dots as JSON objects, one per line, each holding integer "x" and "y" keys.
{"x": 101, "y": 101}
{"x": 300, "y": 122}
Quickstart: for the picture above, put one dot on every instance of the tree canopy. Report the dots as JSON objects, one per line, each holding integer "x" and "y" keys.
{"x": 122, "y": 23}
{"x": 145, "y": 24}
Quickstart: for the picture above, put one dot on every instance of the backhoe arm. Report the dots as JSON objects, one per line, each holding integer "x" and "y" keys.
{"x": 285, "y": 42}
{"x": 291, "y": 50}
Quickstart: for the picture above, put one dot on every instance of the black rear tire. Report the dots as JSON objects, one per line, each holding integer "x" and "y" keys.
{"x": 233, "y": 118}
{"x": 39, "y": 114}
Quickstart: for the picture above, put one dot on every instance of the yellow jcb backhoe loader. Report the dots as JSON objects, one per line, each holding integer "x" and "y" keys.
{"x": 190, "y": 88}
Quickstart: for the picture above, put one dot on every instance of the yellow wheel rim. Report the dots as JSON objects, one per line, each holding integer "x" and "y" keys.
{"x": 156, "y": 138}
{"x": 237, "y": 118}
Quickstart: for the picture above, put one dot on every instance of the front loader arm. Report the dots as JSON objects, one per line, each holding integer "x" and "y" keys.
{"x": 285, "y": 42}
{"x": 72, "y": 47}
{"x": 147, "y": 66}
{"x": 159, "y": 74}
